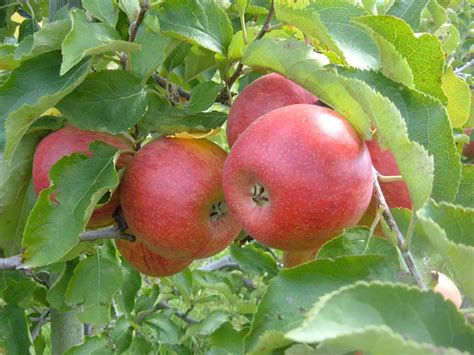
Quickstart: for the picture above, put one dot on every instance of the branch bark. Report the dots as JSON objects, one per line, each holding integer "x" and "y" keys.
{"x": 401, "y": 243}
{"x": 41, "y": 321}
{"x": 163, "y": 305}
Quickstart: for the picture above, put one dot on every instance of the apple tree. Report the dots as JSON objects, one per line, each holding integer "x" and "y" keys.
{"x": 233, "y": 177}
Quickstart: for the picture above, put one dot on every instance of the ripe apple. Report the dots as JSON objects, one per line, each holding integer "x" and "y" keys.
{"x": 297, "y": 176}
{"x": 396, "y": 193}
{"x": 265, "y": 94}
{"x": 297, "y": 257}
{"x": 148, "y": 262}
{"x": 172, "y": 198}
{"x": 69, "y": 140}
{"x": 468, "y": 149}
{"x": 447, "y": 289}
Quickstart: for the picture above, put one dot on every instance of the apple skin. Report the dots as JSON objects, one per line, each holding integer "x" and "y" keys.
{"x": 69, "y": 140}
{"x": 263, "y": 95}
{"x": 147, "y": 262}
{"x": 447, "y": 289}
{"x": 314, "y": 168}
{"x": 468, "y": 149}
{"x": 396, "y": 193}
{"x": 167, "y": 198}
{"x": 293, "y": 258}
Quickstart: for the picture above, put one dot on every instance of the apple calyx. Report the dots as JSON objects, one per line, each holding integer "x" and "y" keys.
{"x": 259, "y": 195}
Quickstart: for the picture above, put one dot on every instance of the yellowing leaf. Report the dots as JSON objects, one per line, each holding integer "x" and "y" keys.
{"x": 459, "y": 98}
{"x": 196, "y": 135}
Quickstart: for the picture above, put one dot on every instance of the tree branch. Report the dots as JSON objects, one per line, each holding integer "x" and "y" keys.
{"x": 172, "y": 88}
{"x": 106, "y": 233}
{"x": 163, "y": 305}
{"x": 144, "y": 7}
{"x": 464, "y": 67}
{"x": 41, "y": 321}
{"x": 11, "y": 263}
{"x": 238, "y": 71}
{"x": 401, "y": 243}
{"x": 222, "y": 263}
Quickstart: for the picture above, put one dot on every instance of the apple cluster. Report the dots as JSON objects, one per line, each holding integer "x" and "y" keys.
{"x": 296, "y": 176}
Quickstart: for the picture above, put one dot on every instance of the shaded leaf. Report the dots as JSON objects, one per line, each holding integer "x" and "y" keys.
{"x": 14, "y": 330}
{"x": 109, "y": 101}
{"x": 104, "y": 10}
{"x": 465, "y": 195}
{"x": 408, "y": 10}
{"x": 203, "y": 96}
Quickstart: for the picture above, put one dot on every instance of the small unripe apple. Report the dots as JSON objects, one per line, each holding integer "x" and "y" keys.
{"x": 149, "y": 262}
{"x": 396, "y": 193}
{"x": 468, "y": 149}
{"x": 447, "y": 289}
{"x": 297, "y": 176}
{"x": 265, "y": 94}
{"x": 172, "y": 198}
{"x": 69, "y": 140}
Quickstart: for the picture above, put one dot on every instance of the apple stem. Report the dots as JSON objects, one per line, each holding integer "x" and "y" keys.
{"x": 384, "y": 179}
{"x": 401, "y": 243}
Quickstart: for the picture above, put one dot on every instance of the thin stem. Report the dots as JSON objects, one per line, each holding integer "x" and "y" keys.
{"x": 144, "y": 6}
{"x": 372, "y": 228}
{"x": 395, "y": 178}
{"x": 387, "y": 216}
{"x": 411, "y": 230}
{"x": 41, "y": 321}
{"x": 464, "y": 67}
{"x": 170, "y": 87}
{"x": 10, "y": 5}
{"x": 163, "y": 305}
{"x": 222, "y": 263}
{"x": 106, "y": 233}
{"x": 244, "y": 27}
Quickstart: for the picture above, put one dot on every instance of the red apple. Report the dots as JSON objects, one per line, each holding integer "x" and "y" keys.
{"x": 265, "y": 94}
{"x": 447, "y": 289}
{"x": 298, "y": 176}
{"x": 468, "y": 149}
{"x": 293, "y": 258}
{"x": 396, "y": 193}
{"x": 148, "y": 262}
{"x": 172, "y": 198}
{"x": 64, "y": 142}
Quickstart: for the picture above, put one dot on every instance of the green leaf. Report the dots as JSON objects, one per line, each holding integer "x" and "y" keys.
{"x": 330, "y": 21}
{"x": 419, "y": 52}
{"x": 7, "y": 60}
{"x": 104, "y": 10}
{"x": 355, "y": 100}
{"x": 254, "y": 260}
{"x": 228, "y": 340}
{"x": 130, "y": 287}
{"x": 48, "y": 39}
{"x": 154, "y": 48}
{"x": 163, "y": 118}
{"x": 198, "y": 61}
{"x": 122, "y": 334}
{"x": 459, "y": 98}
{"x": 19, "y": 292}
{"x": 97, "y": 345}
{"x": 140, "y": 345}
{"x": 449, "y": 229}
{"x": 110, "y": 101}
{"x": 408, "y": 10}
{"x": 167, "y": 330}
{"x": 15, "y": 195}
{"x": 93, "y": 285}
{"x": 354, "y": 242}
{"x": 203, "y": 96}
{"x": 30, "y": 90}
{"x": 438, "y": 14}
{"x": 55, "y": 295}
{"x": 100, "y": 38}
{"x": 290, "y": 295}
{"x": 357, "y": 316}
{"x": 131, "y": 8}
{"x": 427, "y": 125}
{"x": 54, "y": 227}
{"x": 14, "y": 330}
{"x": 200, "y": 22}
{"x": 465, "y": 195}
{"x": 209, "y": 325}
